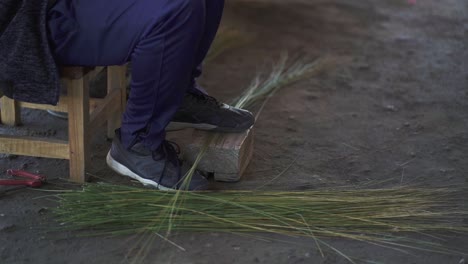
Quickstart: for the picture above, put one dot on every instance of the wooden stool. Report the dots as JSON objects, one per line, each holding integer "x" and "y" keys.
{"x": 84, "y": 115}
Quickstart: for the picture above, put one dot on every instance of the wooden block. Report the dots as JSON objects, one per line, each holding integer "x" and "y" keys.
{"x": 227, "y": 156}
{"x": 10, "y": 112}
{"x": 181, "y": 137}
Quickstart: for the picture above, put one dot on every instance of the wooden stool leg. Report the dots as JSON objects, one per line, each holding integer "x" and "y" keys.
{"x": 116, "y": 80}
{"x": 10, "y": 112}
{"x": 78, "y": 120}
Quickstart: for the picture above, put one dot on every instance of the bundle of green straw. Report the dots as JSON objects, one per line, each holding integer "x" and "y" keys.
{"x": 373, "y": 216}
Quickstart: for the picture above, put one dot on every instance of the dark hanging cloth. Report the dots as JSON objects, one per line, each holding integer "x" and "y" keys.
{"x": 28, "y": 71}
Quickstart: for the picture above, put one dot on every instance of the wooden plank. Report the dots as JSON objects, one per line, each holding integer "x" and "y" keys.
{"x": 62, "y": 105}
{"x": 227, "y": 157}
{"x": 116, "y": 81}
{"x": 78, "y": 120}
{"x": 10, "y": 112}
{"x": 108, "y": 106}
{"x": 94, "y": 73}
{"x": 33, "y": 146}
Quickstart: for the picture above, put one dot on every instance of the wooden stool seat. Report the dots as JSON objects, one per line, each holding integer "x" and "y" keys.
{"x": 84, "y": 115}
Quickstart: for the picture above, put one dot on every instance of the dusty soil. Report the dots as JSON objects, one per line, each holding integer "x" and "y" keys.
{"x": 392, "y": 111}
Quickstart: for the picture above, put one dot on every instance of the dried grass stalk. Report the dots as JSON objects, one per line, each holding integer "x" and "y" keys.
{"x": 380, "y": 217}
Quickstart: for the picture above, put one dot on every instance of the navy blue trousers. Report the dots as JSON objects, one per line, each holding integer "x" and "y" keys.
{"x": 166, "y": 41}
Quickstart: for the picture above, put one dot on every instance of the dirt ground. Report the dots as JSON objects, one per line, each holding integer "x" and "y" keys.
{"x": 392, "y": 111}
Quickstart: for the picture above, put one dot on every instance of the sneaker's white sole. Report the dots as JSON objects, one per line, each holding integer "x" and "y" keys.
{"x": 173, "y": 126}
{"x": 58, "y": 114}
{"x": 122, "y": 170}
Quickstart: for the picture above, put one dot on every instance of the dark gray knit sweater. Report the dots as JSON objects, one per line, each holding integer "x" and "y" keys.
{"x": 27, "y": 68}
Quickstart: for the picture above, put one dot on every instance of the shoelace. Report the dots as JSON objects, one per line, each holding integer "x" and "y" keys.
{"x": 168, "y": 150}
{"x": 206, "y": 99}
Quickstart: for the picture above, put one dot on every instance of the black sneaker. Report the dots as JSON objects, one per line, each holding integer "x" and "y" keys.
{"x": 160, "y": 169}
{"x": 204, "y": 112}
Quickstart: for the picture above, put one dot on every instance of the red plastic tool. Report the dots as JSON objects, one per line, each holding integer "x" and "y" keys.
{"x": 34, "y": 180}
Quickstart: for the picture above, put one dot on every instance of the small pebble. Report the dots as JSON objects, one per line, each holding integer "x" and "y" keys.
{"x": 296, "y": 143}
{"x": 391, "y": 108}
{"x": 7, "y": 227}
{"x": 42, "y": 211}
{"x": 315, "y": 176}
{"x": 364, "y": 67}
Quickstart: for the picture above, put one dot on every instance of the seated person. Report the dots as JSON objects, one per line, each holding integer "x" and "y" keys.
{"x": 166, "y": 42}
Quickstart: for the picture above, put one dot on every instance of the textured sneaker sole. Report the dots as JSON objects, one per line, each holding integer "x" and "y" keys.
{"x": 122, "y": 170}
{"x": 174, "y": 126}
{"x": 180, "y": 125}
